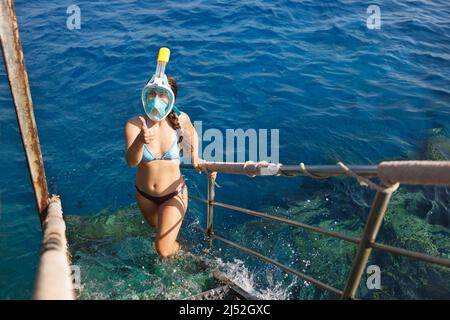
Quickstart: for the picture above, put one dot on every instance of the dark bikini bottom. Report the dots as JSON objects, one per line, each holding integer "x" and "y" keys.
{"x": 160, "y": 200}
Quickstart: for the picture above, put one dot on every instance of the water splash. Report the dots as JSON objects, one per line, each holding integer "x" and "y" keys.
{"x": 237, "y": 271}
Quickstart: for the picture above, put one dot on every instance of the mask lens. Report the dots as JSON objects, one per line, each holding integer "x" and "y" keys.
{"x": 157, "y": 102}
{"x": 156, "y": 107}
{"x": 157, "y": 93}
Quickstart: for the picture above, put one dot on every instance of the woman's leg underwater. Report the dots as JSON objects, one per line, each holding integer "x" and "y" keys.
{"x": 148, "y": 208}
{"x": 170, "y": 218}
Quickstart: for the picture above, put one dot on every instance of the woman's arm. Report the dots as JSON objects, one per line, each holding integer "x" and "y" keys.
{"x": 192, "y": 136}
{"x": 134, "y": 145}
{"x": 136, "y": 135}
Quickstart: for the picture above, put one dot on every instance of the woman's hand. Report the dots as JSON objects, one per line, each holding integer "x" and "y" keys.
{"x": 147, "y": 134}
{"x": 197, "y": 164}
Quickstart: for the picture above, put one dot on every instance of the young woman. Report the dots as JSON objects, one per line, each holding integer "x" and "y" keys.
{"x": 161, "y": 192}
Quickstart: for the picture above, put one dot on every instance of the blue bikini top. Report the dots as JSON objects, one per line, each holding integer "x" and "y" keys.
{"x": 172, "y": 153}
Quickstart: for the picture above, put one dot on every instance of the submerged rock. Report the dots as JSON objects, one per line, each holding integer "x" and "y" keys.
{"x": 118, "y": 261}
{"x": 329, "y": 260}
{"x": 437, "y": 146}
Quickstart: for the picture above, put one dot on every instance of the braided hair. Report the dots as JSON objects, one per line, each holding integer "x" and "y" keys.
{"x": 172, "y": 117}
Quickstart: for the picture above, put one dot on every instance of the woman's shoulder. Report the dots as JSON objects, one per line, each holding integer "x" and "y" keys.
{"x": 185, "y": 121}
{"x": 133, "y": 124}
{"x": 135, "y": 120}
{"x": 183, "y": 117}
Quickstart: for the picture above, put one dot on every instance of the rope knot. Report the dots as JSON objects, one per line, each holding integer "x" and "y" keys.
{"x": 368, "y": 183}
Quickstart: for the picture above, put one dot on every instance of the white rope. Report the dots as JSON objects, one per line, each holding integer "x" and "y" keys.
{"x": 368, "y": 183}
{"x": 213, "y": 173}
{"x": 246, "y": 164}
{"x": 271, "y": 168}
{"x": 309, "y": 174}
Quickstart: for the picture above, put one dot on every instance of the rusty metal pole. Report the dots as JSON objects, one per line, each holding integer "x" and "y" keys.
{"x": 20, "y": 92}
{"x": 373, "y": 224}
{"x": 210, "y": 210}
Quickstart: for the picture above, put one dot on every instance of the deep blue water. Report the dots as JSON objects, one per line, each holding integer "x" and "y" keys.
{"x": 336, "y": 90}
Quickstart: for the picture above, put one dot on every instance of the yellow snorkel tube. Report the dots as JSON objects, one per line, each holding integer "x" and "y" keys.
{"x": 158, "y": 87}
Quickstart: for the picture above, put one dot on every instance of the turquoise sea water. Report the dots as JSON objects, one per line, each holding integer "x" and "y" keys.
{"x": 336, "y": 90}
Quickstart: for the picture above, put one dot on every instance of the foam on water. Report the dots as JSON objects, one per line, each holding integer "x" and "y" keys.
{"x": 239, "y": 273}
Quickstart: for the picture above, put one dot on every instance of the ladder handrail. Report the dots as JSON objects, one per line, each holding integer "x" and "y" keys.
{"x": 53, "y": 279}
{"x": 390, "y": 174}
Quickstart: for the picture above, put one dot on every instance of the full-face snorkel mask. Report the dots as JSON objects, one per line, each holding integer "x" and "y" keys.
{"x": 157, "y": 96}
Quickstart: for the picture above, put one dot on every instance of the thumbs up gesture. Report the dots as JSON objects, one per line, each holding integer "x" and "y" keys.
{"x": 147, "y": 134}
